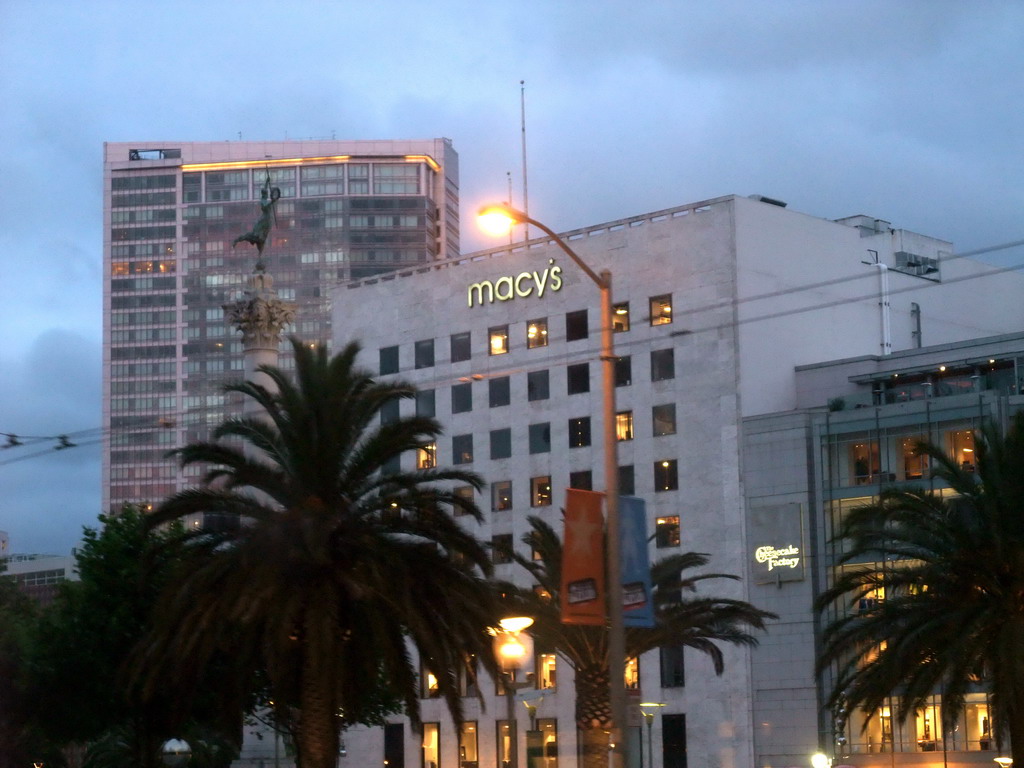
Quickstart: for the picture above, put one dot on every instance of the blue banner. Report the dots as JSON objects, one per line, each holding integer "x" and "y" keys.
{"x": 637, "y": 602}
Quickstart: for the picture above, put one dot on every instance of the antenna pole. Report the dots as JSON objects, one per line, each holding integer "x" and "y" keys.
{"x": 522, "y": 116}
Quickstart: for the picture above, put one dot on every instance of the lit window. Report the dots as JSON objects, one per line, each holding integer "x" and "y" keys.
{"x": 426, "y": 457}
{"x": 661, "y": 309}
{"x": 624, "y": 425}
{"x": 546, "y": 670}
{"x": 537, "y": 333}
{"x": 961, "y": 448}
{"x": 667, "y": 531}
{"x": 548, "y": 727}
{"x": 632, "y": 676}
{"x": 468, "y": 754}
{"x": 462, "y": 449}
{"x": 664, "y": 419}
{"x": 579, "y": 432}
{"x": 540, "y": 491}
{"x": 620, "y": 317}
{"x": 431, "y": 751}
{"x": 666, "y": 475}
{"x": 498, "y": 340}
{"x": 501, "y": 495}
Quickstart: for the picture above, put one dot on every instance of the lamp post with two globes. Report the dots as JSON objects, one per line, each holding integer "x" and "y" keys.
{"x": 497, "y": 220}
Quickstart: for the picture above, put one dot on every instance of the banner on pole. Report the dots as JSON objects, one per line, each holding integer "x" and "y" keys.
{"x": 583, "y": 584}
{"x": 637, "y": 595}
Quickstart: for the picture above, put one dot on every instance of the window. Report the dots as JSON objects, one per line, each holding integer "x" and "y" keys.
{"x": 579, "y": 432}
{"x": 673, "y": 741}
{"x": 578, "y": 378}
{"x": 425, "y": 405}
{"x": 501, "y": 495}
{"x": 623, "y": 371}
{"x": 426, "y": 457}
{"x": 394, "y": 745}
{"x": 462, "y": 397}
{"x": 540, "y": 438}
{"x": 666, "y": 531}
{"x": 631, "y": 678}
{"x": 548, "y": 727}
{"x": 497, "y": 340}
{"x": 468, "y": 754}
{"x": 540, "y": 491}
{"x": 576, "y": 325}
{"x": 627, "y": 486}
{"x": 960, "y": 446}
{"x": 504, "y": 735}
{"x": 663, "y": 418}
{"x": 583, "y": 480}
{"x": 501, "y": 548}
{"x": 424, "y": 353}
{"x": 666, "y": 476}
{"x": 499, "y": 391}
{"x": 537, "y": 333}
{"x": 547, "y": 666}
{"x": 663, "y": 364}
{"x": 501, "y": 443}
{"x": 431, "y": 752}
{"x": 914, "y": 466}
{"x": 661, "y": 309}
{"x": 389, "y": 412}
{"x": 430, "y": 687}
{"x": 624, "y": 425}
{"x": 620, "y": 317}
{"x": 388, "y": 360}
{"x": 466, "y": 493}
{"x": 673, "y": 674}
{"x": 462, "y": 449}
{"x": 461, "y": 348}
{"x": 538, "y": 385}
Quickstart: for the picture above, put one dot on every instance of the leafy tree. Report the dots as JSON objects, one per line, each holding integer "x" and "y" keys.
{"x": 329, "y": 558}
{"x": 682, "y": 618}
{"x": 953, "y": 612}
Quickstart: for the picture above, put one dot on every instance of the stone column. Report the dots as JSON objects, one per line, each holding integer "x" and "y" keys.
{"x": 260, "y": 317}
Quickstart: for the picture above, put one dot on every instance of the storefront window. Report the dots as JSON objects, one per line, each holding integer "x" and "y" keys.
{"x": 913, "y": 466}
{"x": 960, "y": 444}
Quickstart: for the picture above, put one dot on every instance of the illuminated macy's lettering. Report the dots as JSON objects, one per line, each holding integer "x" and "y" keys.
{"x": 522, "y": 285}
{"x": 787, "y": 557}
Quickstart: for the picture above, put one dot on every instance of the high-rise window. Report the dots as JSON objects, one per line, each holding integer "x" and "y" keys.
{"x": 666, "y": 475}
{"x": 540, "y": 491}
{"x": 666, "y": 531}
{"x": 624, "y": 425}
{"x": 425, "y": 405}
{"x": 467, "y": 494}
{"x": 540, "y": 437}
{"x": 537, "y": 333}
{"x": 661, "y": 309}
{"x": 461, "y": 348}
{"x": 579, "y": 432}
{"x": 577, "y": 378}
{"x": 499, "y": 391}
{"x": 462, "y": 397}
{"x": 388, "y": 360}
{"x": 389, "y": 412}
{"x": 462, "y": 449}
{"x": 663, "y": 364}
{"x": 501, "y": 548}
{"x": 582, "y": 480}
{"x": 431, "y": 747}
{"x": 538, "y": 385}
{"x": 424, "y": 353}
{"x": 673, "y": 673}
{"x": 627, "y": 485}
{"x": 501, "y": 443}
{"x": 426, "y": 457}
{"x": 501, "y": 495}
{"x": 620, "y": 317}
{"x": 663, "y": 418}
{"x": 623, "y": 371}
{"x": 576, "y": 325}
{"x": 497, "y": 340}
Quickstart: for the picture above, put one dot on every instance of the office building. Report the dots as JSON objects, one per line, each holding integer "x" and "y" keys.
{"x": 720, "y": 307}
{"x": 172, "y": 210}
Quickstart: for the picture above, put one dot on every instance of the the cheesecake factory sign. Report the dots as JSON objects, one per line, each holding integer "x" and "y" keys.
{"x": 787, "y": 557}
{"x": 522, "y": 285}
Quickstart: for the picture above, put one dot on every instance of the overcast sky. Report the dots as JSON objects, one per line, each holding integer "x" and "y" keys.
{"x": 907, "y": 111}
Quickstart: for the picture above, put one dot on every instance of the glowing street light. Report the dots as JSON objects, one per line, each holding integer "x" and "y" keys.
{"x": 513, "y": 649}
{"x": 648, "y": 709}
{"x": 498, "y": 219}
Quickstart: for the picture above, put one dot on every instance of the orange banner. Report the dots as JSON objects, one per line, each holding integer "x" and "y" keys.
{"x": 583, "y": 587}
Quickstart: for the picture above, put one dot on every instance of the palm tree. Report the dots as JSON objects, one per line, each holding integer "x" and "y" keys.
{"x": 953, "y": 613}
{"x": 327, "y": 558}
{"x": 691, "y": 620}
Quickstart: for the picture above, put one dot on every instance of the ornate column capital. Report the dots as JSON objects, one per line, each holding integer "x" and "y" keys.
{"x": 259, "y": 315}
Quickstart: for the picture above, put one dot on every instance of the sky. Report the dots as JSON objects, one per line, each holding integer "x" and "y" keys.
{"x": 905, "y": 111}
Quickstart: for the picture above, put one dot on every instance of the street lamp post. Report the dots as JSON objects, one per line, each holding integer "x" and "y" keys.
{"x": 492, "y": 218}
{"x": 513, "y": 649}
{"x": 648, "y": 708}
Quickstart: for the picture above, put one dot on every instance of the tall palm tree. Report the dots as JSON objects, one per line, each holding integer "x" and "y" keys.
{"x": 953, "y": 612}
{"x": 328, "y": 559}
{"x": 682, "y": 618}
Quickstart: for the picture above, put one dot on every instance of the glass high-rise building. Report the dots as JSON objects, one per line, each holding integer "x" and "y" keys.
{"x": 347, "y": 210}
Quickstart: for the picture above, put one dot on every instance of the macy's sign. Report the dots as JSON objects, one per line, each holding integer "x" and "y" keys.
{"x": 524, "y": 284}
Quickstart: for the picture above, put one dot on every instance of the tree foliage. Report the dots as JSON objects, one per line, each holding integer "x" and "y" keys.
{"x": 328, "y": 558}
{"x": 952, "y": 620}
